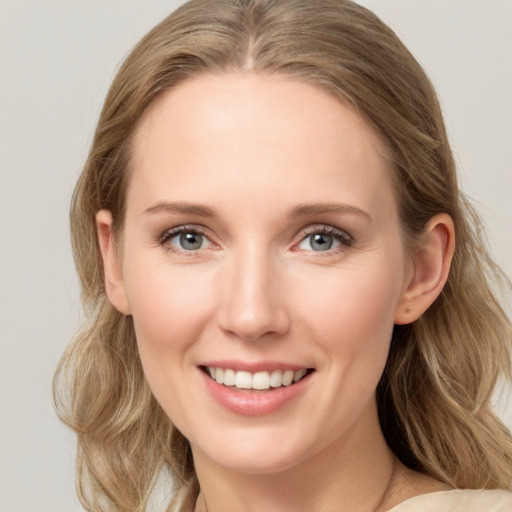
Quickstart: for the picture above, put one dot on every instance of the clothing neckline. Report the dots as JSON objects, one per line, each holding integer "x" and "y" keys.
{"x": 420, "y": 498}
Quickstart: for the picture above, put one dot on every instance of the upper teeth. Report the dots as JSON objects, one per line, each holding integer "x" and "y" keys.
{"x": 259, "y": 380}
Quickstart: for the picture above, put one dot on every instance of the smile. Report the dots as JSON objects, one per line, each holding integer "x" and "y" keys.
{"x": 260, "y": 381}
{"x": 253, "y": 390}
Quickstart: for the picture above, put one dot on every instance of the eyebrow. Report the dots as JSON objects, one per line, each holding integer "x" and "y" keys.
{"x": 302, "y": 210}
{"x": 310, "y": 210}
{"x": 181, "y": 208}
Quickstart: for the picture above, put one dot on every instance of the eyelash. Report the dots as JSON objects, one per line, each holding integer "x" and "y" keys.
{"x": 345, "y": 240}
{"x": 174, "y": 232}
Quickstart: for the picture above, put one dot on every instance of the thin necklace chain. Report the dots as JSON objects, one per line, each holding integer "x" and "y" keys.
{"x": 374, "y": 510}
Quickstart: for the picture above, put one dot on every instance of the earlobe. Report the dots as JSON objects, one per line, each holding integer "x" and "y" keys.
{"x": 113, "y": 272}
{"x": 431, "y": 260}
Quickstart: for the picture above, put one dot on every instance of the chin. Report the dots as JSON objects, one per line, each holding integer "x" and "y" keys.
{"x": 256, "y": 464}
{"x": 254, "y": 452}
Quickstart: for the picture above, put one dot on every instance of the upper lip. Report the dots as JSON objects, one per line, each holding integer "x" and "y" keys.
{"x": 254, "y": 367}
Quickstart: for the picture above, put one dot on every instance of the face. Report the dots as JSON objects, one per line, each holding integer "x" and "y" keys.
{"x": 261, "y": 247}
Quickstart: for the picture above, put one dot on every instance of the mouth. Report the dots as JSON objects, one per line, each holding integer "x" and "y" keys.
{"x": 258, "y": 381}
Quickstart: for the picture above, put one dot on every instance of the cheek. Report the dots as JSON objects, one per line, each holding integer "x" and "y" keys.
{"x": 168, "y": 308}
{"x": 352, "y": 310}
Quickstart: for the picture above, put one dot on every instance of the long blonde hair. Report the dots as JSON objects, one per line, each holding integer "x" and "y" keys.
{"x": 434, "y": 395}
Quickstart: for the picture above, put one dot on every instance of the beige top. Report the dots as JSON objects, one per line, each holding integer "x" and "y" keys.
{"x": 458, "y": 501}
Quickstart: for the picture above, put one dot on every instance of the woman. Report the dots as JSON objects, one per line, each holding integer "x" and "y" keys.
{"x": 289, "y": 300}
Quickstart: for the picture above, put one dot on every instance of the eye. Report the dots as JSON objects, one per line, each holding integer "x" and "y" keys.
{"x": 185, "y": 239}
{"x": 189, "y": 241}
{"x": 322, "y": 239}
{"x": 319, "y": 242}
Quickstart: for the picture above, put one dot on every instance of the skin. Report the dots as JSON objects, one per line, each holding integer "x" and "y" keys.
{"x": 253, "y": 150}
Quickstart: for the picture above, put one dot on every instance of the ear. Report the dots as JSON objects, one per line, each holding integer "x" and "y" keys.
{"x": 114, "y": 282}
{"x": 431, "y": 260}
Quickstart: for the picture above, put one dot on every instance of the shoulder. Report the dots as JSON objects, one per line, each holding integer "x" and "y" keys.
{"x": 458, "y": 501}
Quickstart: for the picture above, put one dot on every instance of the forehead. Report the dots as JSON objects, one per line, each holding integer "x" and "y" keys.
{"x": 221, "y": 98}
{"x": 237, "y": 132}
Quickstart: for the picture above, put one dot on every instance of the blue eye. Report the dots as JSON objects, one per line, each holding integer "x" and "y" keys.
{"x": 184, "y": 239}
{"x": 321, "y": 242}
{"x": 324, "y": 239}
{"x": 190, "y": 241}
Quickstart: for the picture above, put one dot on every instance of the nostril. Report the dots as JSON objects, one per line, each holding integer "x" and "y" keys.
{"x": 254, "y": 328}
{"x": 253, "y": 306}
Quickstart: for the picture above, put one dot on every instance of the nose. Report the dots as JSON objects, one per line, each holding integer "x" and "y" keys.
{"x": 252, "y": 305}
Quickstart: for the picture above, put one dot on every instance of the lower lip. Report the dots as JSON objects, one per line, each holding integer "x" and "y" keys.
{"x": 254, "y": 403}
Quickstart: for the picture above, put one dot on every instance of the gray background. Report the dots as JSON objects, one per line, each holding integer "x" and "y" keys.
{"x": 56, "y": 61}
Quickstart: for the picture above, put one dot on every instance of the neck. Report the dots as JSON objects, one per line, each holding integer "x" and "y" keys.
{"x": 354, "y": 473}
